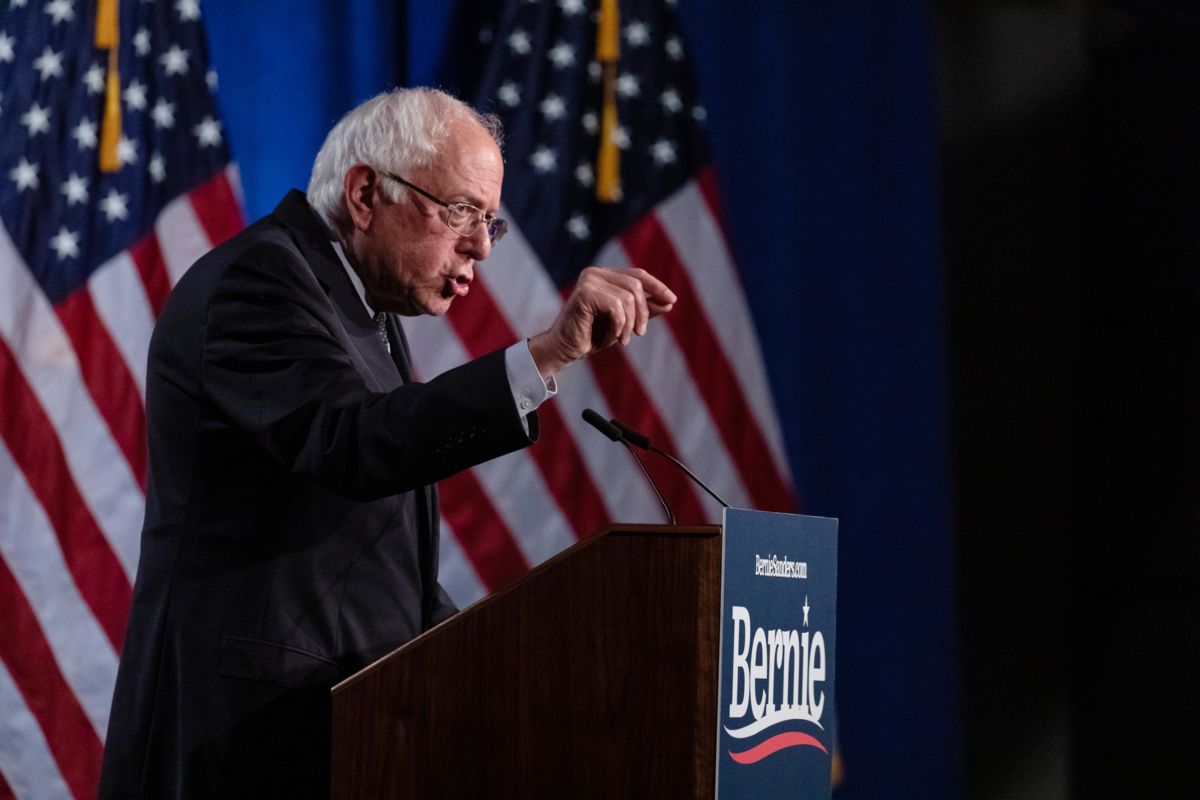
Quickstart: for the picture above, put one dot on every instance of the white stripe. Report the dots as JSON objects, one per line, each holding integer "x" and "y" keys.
{"x": 234, "y": 176}
{"x": 513, "y": 483}
{"x": 25, "y": 758}
{"x": 181, "y": 237}
{"x": 121, "y": 302}
{"x": 700, "y": 244}
{"x": 29, "y": 546}
{"x": 662, "y": 369}
{"x": 530, "y": 302}
{"x": 455, "y": 573}
{"x": 43, "y": 352}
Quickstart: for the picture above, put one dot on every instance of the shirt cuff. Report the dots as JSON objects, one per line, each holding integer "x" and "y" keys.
{"x": 529, "y": 388}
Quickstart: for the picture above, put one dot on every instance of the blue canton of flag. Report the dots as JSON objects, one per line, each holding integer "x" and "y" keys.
{"x": 87, "y": 257}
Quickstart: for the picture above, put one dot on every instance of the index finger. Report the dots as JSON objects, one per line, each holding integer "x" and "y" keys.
{"x": 657, "y": 292}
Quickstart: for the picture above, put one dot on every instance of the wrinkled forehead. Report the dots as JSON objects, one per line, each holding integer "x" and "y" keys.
{"x": 468, "y": 165}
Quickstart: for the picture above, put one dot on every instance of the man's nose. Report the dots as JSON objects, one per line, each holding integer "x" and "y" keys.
{"x": 478, "y": 245}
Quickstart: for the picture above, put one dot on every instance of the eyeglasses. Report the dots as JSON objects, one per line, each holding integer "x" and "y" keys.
{"x": 462, "y": 218}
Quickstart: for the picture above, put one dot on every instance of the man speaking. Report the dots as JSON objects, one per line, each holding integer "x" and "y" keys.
{"x": 291, "y": 523}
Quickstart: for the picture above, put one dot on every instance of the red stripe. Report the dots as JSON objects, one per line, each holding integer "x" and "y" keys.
{"x": 35, "y": 448}
{"x": 148, "y": 258}
{"x": 216, "y": 207}
{"x": 650, "y": 248}
{"x": 6, "y": 792}
{"x": 482, "y": 329}
{"x": 482, "y": 535}
{"x": 23, "y": 649}
{"x": 624, "y": 393}
{"x": 107, "y": 378}
{"x": 706, "y": 180}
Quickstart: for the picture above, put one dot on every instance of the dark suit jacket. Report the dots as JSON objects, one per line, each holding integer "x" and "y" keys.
{"x": 291, "y": 532}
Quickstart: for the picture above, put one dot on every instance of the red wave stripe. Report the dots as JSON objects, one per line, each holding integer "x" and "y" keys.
{"x": 107, "y": 378}
{"x": 148, "y": 258}
{"x": 35, "y": 449}
{"x": 774, "y": 745}
{"x": 624, "y": 393}
{"x": 23, "y": 649}
{"x": 216, "y": 206}
{"x": 483, "y": 536}
{"x": 650, "y": 248}
{"x": 482, "y": 329}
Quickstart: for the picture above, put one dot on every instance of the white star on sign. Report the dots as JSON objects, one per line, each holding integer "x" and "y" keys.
{"x": 25, "y": 174}
{"x": 94, "y": 78}
{"x": 670, "y": 101}
{"x": 208, "y": 132}
{"x": 553, "y": 108}
{"x": 75, "y": 189}
{"x": 135, "y": 95}
{"x": 188, "y": 10}
{"x": 577, "y": 226}
{"x": 60, "y": 10}
{"x": 115, "y": 206}
{"x": 85, "y": 134}
{"x": 126, "y": 151}
{"x": 141, "y": 41}
{"x": 562, "y": 55}
{"x": 518, "y": 41}
{"x": 66, "y": 244}
{"x": 663, "y": 152}
{"x": 543, "y": 159}
{"x": 175, "y": 60}
{"x": 49, "y": 64}
{"x": 36, "y": 119}
{"x": 157, "y": 167}
{"x": 806, "y": 608}
{"x": 627, "y": 86}
{"x": 163, "y": 114}
{"x": 637, "y": 34}
{"x": 509, "y": 94}
{"x": 6, "y": 47}
{"x": 583, "y": 174}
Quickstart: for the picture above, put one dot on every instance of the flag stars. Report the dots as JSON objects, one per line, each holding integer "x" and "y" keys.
{"x": 584, "y": 174}
{"x": 141, "y": 41}
{"x": 627, "y": 86}
{"x": 126, "y": 151}
{"x": 135, "y": 95}
{"x": 163, "y": 115}
{"x": 49, "y": 64}
{"x": 211, "y": 80}
{"x": 65, "y": 244}
{"x": 94, "y": 79}
{"x": 25, "y": 175}
{"x": 595, "y": 71}
{"x": 619, "y": 137}
{"x": 591, "y": 123}
{"x": 76, "y": 189}
{"x": 562, "y": 55}
{"x": 60, "y": 11}
{"x": 663, "y": 152}
{"x": 6, "y": 47}
{"x": 84, "y": 134}
{"x": 518, "y": 42}
{"x": 208, "y": 132}
{"x": 174, "y": 61}
{"x": 115, "y": 206}
{"x": 671, "y": 101}
{"x": 509, "y": 94}
{"x": 699, "y": 114}
{"x": 674, "y": 48}
{"x": 637, "y": 34}
{"x": 571, "y": 7}
{"x": 158, "y": 168}
{"x": 553, "y": 108}
{"x": 36, "y": 119}
{"x": 577, "y": 226}
{"x": 189, "y": 10}
{"x": 543, "y": 159}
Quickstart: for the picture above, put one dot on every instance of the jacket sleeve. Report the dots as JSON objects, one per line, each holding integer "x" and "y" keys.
{"x": 275, "y": 368}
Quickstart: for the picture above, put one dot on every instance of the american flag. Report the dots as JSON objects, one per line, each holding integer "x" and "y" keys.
{"x": 87, "y": 257}
{"x": 696, "y": 384}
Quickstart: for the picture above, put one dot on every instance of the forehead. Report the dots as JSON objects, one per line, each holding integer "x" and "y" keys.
{"x": 468, "y": 165}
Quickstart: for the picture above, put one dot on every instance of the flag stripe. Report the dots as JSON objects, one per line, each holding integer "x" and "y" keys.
{"x": 216, "y": 206}
{"x": 648, "y": 244}
{"x": 152, "y": 268}
{"x": 108, "y": 379}
{"x": 485, "y": 540}
{"x": 30, "y": 439}
{"x": 86, "y": 657}
{"x": 124, "y": 308}
{"x": 181, "y": 236}
{"x": 73, "y": 743}
{"x": 456, "y": 574}
{"x": 25, "y": 759}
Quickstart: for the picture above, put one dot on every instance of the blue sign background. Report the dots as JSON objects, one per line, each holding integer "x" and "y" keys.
{"x": 762, "y": 556}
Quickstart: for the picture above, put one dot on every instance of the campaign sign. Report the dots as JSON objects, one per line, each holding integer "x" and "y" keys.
{"x": 778, "y": 609}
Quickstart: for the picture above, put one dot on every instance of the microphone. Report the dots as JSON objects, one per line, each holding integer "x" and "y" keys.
{"x": 631, "y": 436}
{"x": 613, "y": 432}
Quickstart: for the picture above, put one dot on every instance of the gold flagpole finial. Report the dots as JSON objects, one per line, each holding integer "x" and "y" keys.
{"x": 107, "y": 37}
{"x": 608, "y": 49}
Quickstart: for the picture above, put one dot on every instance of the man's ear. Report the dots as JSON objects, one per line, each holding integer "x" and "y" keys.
{"x": 359, "y": 189}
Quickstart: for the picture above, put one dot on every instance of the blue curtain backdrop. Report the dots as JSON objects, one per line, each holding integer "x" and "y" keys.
{"x": 822, "y": 116}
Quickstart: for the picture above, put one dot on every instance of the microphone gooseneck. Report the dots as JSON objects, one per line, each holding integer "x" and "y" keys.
{"x": 613, "y": 432}
{"x": 631, "y": 436}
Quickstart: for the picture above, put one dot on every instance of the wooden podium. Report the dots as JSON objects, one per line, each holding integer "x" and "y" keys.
{"x": 595, "y": 675}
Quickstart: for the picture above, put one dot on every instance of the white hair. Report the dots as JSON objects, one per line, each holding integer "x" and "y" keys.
{"x": 400, "y": 131}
